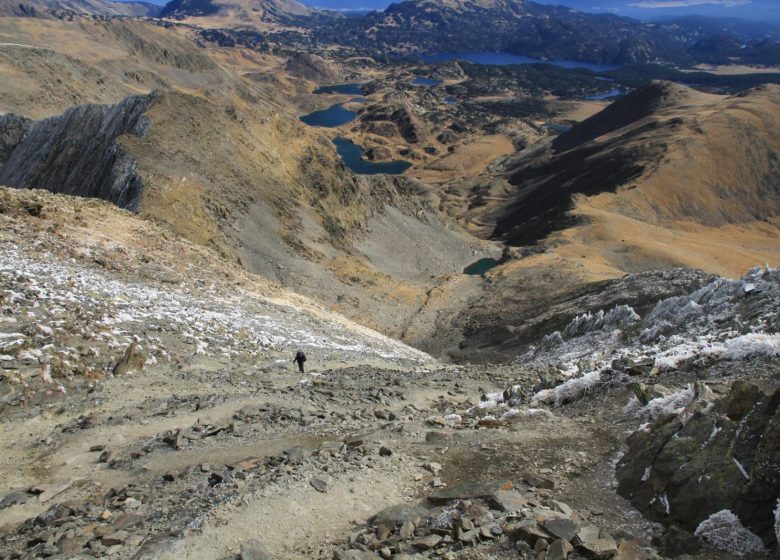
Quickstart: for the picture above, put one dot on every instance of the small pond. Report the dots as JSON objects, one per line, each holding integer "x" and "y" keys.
{"x": 480, "y": 267}
{"x": 352, "y": 156}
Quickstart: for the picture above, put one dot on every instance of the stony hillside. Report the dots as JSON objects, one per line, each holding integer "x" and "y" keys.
{"x": 152, "y": 411}
{"x": 626, "y": 401}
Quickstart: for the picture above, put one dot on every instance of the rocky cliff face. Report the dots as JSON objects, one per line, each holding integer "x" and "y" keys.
{"x": 688, "y": 469}
{"x": 77, "y": 152}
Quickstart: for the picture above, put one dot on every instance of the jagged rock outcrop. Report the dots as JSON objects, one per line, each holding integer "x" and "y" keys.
{"x": 617, "y": 317}
{"x": 686, "y": 467}
{"x": 77, "y": 152}
{"x": 12, "y": 131}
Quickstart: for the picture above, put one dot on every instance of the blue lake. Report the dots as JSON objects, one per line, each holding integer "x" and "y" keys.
{"x": 330, "y": 117}
{"x": 450, "y": 100}
{"x": 428, "y": 82}
{"x": 352, "y": 156}
{"x": 346, "y": 89}
{"x": 606, "y": 95}
{"x": 498, "y": 58}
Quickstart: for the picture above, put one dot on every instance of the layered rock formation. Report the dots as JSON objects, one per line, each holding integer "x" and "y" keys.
{"x": 78, "y": 152}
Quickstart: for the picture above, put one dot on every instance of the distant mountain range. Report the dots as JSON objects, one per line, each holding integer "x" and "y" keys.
{"x": 759, "y": 10}
{"x": 516, "y": 26}
{"x": 415, "y": 27}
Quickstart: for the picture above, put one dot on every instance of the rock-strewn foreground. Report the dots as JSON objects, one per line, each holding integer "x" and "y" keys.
{"x": 150, "y": 409}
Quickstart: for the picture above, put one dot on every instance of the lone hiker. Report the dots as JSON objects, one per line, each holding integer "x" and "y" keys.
{"x": 300, "y": 357}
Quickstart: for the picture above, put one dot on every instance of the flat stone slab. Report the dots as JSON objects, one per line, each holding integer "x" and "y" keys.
{"x": 509, "y": 500}
{"x": 470, "y": 491}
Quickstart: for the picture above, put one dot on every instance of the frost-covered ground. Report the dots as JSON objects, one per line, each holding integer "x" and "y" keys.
{"x": 725, "y": 320}
{"x": 62, "y": 319}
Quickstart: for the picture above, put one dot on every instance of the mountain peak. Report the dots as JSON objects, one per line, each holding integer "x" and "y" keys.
{"x": 240, "y": 10}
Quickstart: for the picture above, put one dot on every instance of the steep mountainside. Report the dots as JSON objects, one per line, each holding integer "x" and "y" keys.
{"x": 516, "y": 26}
{"x": 667, "y": 155}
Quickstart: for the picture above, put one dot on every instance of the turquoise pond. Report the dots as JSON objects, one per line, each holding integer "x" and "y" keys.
{"x": 330, "y": 117}
{"x": 480, "y": 267}
{"x": 499, "y": 58}
{"x": 352, "y": 156}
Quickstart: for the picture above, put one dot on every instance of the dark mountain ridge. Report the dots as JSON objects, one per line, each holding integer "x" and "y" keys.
{"x": 516, "y": 26}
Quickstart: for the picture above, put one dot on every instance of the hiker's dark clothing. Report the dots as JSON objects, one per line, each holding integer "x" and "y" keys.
{"x": 300, "y": 357}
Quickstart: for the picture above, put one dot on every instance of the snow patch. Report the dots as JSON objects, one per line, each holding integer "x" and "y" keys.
{"x": 741, "y": 468}
{"x": 673, "y": 404}
{"x": 777, "y": 521}
{"x": 569, "y": 390}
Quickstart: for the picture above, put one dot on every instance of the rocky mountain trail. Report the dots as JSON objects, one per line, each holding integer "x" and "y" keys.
{"x": 152, "y": 410}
